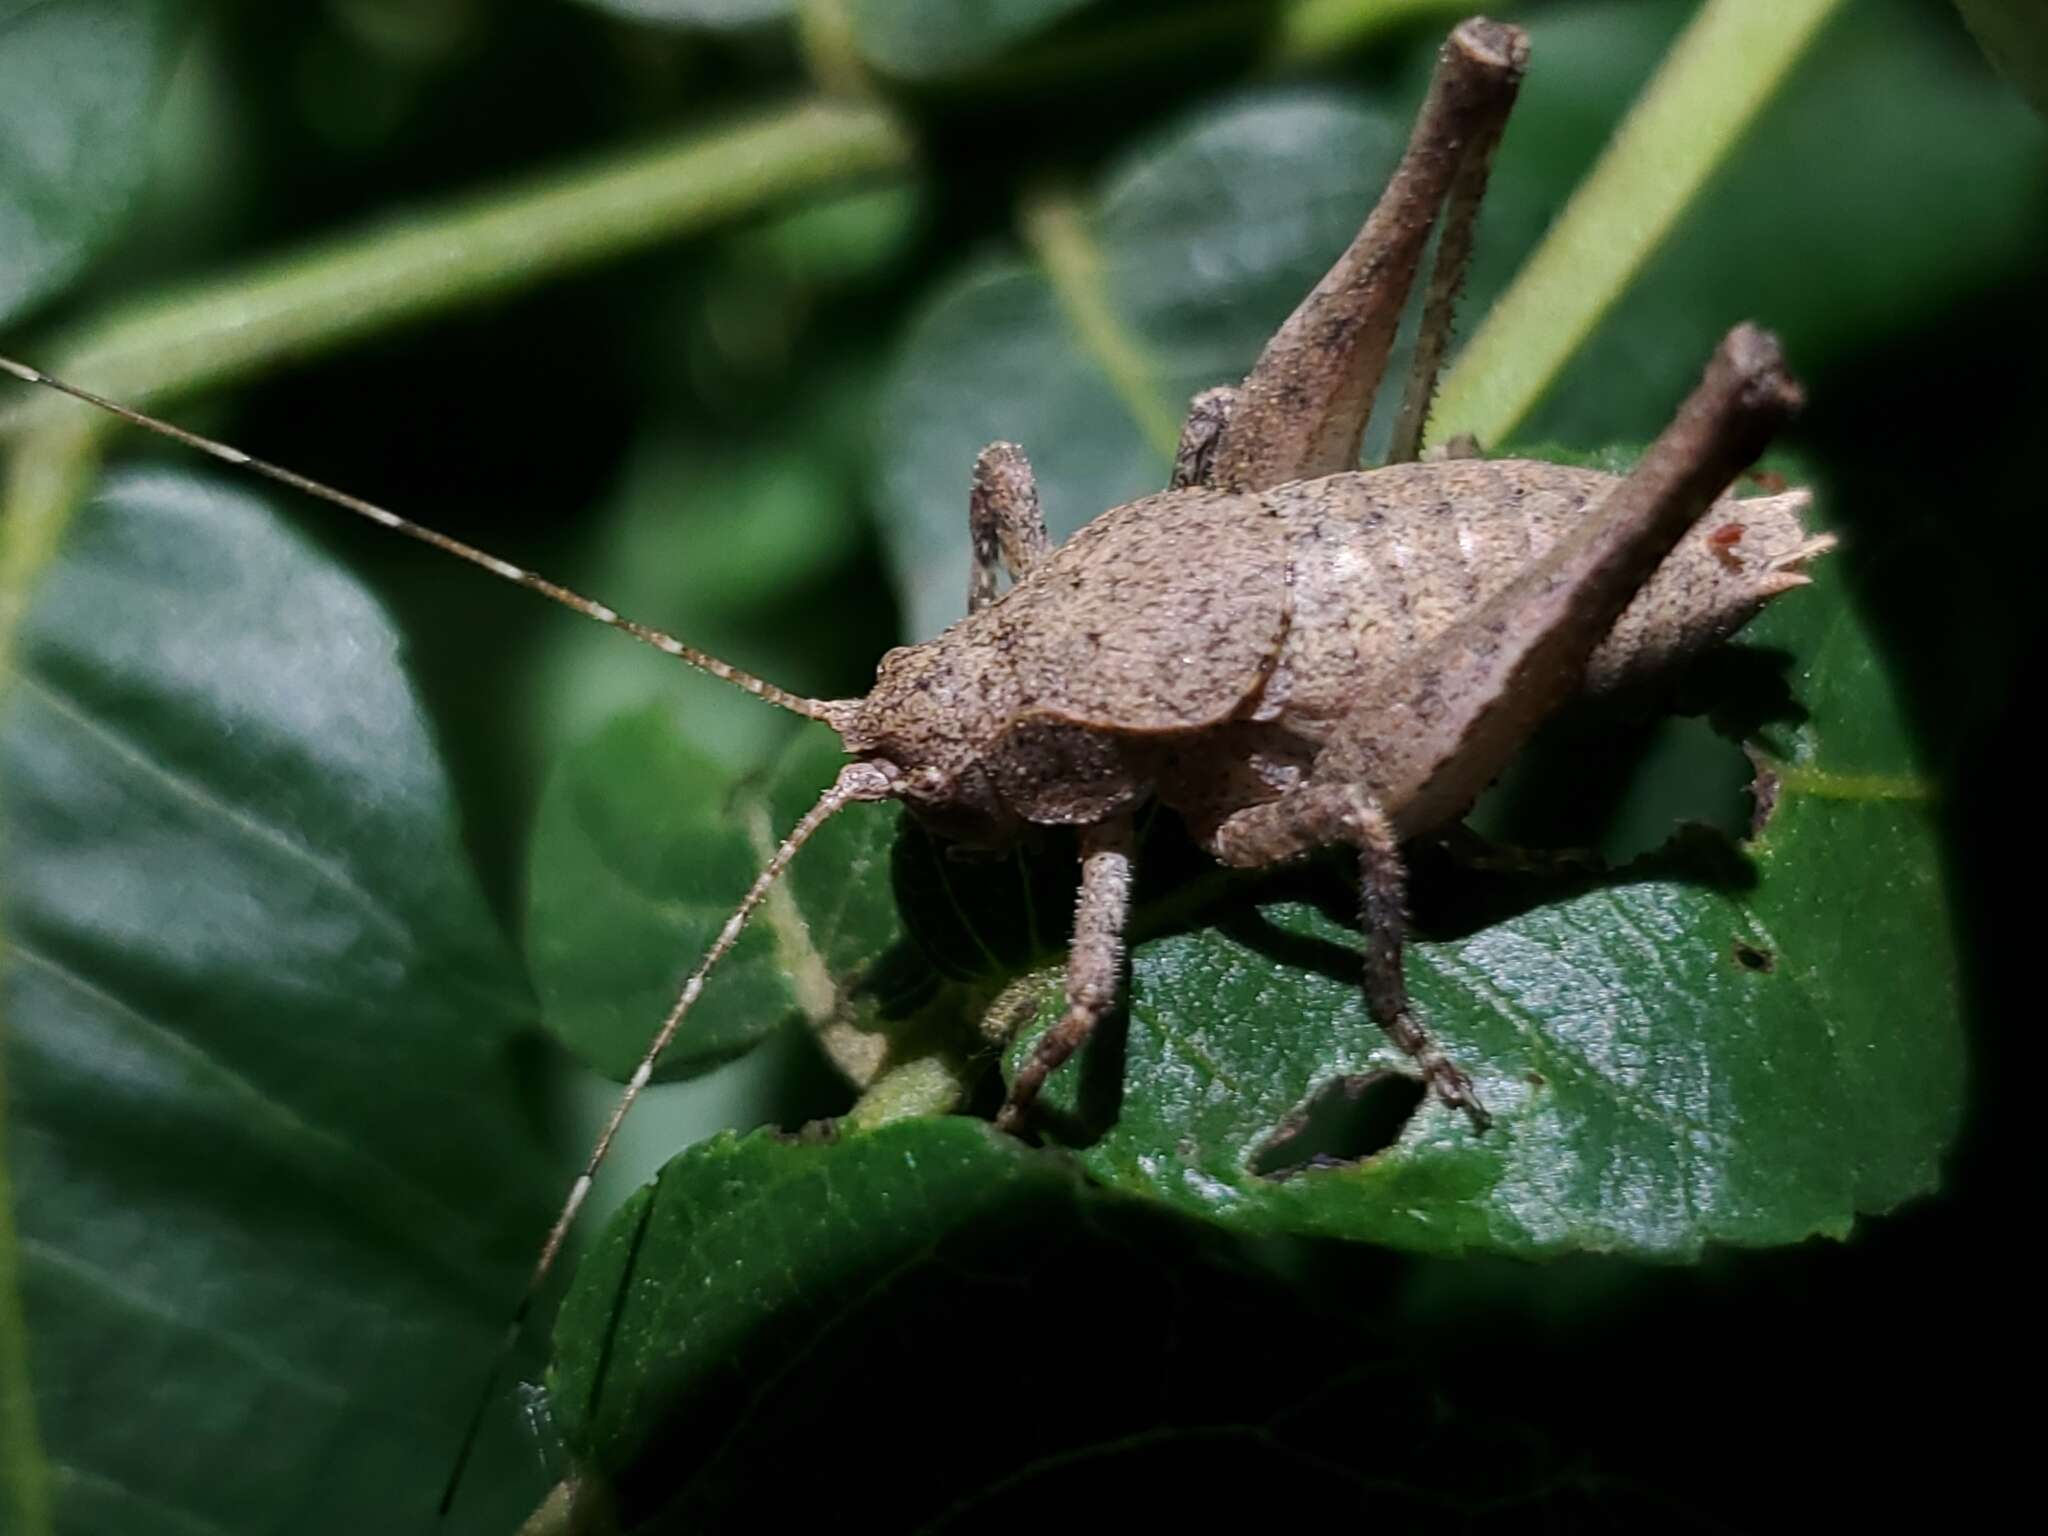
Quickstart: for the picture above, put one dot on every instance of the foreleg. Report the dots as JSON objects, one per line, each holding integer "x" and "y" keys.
{"x": 1194, "y": 460}
{"x": 1095, "y": 961}
{"x": 1316, "y": 816}
{"x": 1004, "y": 520}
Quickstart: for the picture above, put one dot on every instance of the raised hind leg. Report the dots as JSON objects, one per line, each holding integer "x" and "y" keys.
{"x": 1302, "y": 410}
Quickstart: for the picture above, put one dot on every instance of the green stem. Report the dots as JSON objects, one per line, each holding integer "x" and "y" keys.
{"x": 1057, "y": 233}
{"x": 831, "y": 49}
{"x": 927, "y": 1085}
{"x": 243, "y": 324}
{"x": 1718, "y": 76}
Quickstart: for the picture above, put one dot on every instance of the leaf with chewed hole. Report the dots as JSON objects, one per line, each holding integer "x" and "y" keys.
{"x": 1718, "y": 1042}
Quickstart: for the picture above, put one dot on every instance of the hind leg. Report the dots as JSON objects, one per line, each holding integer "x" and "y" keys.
{"x": 1303, "y": 408}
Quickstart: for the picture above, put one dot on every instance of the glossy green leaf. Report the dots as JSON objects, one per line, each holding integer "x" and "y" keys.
{"x": 276, "y": 1182}
{"x": 1719, "y": 1043}
{"x": 79, "y": 82}
{"x": 643, "y": 849}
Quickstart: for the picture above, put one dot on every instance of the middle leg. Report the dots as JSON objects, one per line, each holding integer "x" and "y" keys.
{"x": 1316, "y": 816}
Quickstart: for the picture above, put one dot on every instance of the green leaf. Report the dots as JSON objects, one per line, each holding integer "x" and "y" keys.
{"x": 1716, "y": 1044}
{"x": 639, "y": 854}
{"x": 79, "y": 82}
{"x": 919, "y": 39}
{"x": 2014, "y": 36}
{"x": 642, "y": 850}
{"x": 737, "y": 1347}
{"x": 276, "y": 1179}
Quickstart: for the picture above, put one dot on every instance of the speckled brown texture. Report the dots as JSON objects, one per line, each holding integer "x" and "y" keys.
{"x": 1005, "y": 524}
{"x": 1175, "y": 640}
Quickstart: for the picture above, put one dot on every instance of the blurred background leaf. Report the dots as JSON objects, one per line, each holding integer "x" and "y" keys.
{"x": 699, "y": 13}
{"x": 913, "y": 38}
{"x": 2014, "y": 36}
{"x": 80, "y": 81}
{"x": 274, "y": 1144}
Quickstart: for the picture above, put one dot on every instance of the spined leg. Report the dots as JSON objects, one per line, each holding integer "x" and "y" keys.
{"x": 1303, "y": 408}
{"x": 1316, "y": 816}
{"x": 1438, "y": 731}
{"x": 1004, "y": 520}
{"x": 1439, "y": 304}
{"x": 1194, "y": 461}
{"x": 1094, "y": 961}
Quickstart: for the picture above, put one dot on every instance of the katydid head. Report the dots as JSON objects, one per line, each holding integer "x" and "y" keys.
{"x": 921, "y": 725}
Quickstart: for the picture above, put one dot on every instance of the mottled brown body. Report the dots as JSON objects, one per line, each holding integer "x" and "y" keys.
{"x": 1205, "y": 647}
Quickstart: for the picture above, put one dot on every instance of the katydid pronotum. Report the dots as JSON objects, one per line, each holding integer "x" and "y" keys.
{"x": 1287, "y": 651}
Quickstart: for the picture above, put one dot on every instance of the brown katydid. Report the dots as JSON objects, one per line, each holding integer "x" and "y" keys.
{"x": 1286, "y": 650}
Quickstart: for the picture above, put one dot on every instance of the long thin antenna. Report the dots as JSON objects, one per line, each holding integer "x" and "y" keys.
{"x": 856, "y": 781}
{"x": 832, "y": 712}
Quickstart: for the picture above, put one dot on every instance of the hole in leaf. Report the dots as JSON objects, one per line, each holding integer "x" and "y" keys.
{"x": 1345, "y": 1121}
{"x": 1753, "y": 959}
